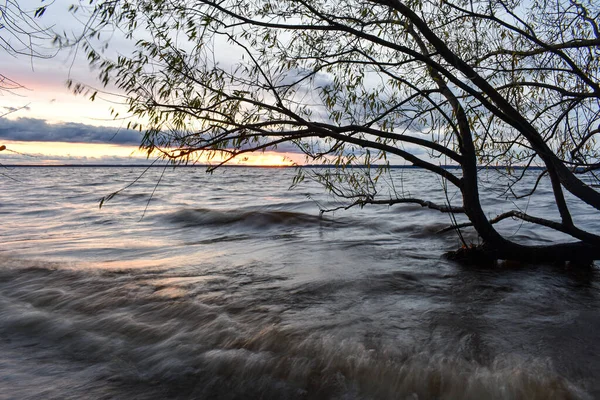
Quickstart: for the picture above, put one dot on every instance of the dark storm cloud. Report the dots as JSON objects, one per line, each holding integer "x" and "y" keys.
{"x": 38, "y": 130}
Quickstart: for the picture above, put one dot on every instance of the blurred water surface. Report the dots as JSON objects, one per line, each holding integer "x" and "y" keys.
{"x": 232, "y": 286}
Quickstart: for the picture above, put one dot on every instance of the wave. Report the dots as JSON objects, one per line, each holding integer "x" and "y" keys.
{"x": 118, "y": 335}
{"x": 252, "y": 219}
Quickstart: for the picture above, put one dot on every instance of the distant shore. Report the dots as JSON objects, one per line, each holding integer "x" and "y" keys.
{"x": 516, "y": 167}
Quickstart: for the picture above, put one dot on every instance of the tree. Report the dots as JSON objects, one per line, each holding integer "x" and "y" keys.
{"x": 473, "y": 82}
{"x": 21, "y": 35}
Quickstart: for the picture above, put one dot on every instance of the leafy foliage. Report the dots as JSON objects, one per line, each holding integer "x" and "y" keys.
{"x": 20, "y": 35}
{"x": 473, "y": 83}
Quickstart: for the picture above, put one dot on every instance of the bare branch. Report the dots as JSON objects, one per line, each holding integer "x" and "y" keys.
{"x": 423, "y": 203}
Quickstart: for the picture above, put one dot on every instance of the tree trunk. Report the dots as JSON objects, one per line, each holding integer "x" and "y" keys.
{"x": 577, "y": 253}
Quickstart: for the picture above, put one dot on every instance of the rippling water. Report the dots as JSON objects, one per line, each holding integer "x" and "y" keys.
{"x": 231, "y": 286}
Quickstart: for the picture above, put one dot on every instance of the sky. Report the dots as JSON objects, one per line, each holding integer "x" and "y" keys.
{"x": 44, "y": 123}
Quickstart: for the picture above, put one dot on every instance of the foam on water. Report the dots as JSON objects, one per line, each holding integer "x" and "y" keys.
{"x": 196, "y": 336}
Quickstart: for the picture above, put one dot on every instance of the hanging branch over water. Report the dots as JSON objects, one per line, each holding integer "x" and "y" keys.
{"x": 423, "y": 203}
{"x": 471, "y": 83}
{"x": 22, "y": 35}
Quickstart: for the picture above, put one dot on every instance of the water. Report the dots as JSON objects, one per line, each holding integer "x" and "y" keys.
{"x": 233, "y": 287}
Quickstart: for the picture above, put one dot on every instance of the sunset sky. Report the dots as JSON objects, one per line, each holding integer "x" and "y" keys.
{"x": 44, "y": 123}
{"x": 53, "y": 126}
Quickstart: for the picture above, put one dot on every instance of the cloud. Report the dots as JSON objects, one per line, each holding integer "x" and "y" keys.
{"x": 38, "y": 130}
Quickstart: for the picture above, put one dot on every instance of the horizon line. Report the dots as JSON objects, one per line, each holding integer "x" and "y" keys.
{"x": 449, "y": 166}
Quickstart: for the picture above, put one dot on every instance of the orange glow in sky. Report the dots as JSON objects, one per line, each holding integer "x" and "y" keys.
{"x": 64, "y": 153}
{"x": 52, "y": 102}
{"x": 74, "y": 153}
{"x": 45, "y": 96}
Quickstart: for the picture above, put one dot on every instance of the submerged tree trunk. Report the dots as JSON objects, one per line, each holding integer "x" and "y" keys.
{"x": 577, "y": 253}
{"x": 496, "y": 247}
